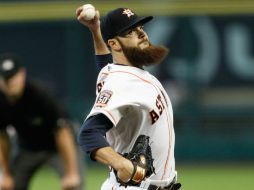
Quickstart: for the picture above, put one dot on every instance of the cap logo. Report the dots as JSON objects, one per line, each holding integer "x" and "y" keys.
{"x": 8, "y": 65}
{"x": 128, "y": 12}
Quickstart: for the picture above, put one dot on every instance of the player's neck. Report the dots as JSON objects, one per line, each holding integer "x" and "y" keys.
{"x": 13, "y": 98}
{"x": 122, "y": 60}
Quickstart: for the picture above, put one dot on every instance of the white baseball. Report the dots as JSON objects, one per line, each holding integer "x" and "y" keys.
{"x": 88, "y": 12}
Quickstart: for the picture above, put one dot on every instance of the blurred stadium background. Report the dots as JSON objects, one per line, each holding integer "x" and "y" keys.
{"x": 209, "y": 76}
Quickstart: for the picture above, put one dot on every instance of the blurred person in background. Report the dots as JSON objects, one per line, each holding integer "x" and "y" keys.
{"x": 44, "y": 131}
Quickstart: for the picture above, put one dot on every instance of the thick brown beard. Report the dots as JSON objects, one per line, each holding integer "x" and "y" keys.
{"x": 145, "y": 57}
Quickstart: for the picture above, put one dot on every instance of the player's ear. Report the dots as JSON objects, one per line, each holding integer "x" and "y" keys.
{"x": 114, "y": 44}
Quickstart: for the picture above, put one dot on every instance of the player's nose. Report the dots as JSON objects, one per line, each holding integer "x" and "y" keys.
{"x": 141, "y": 34}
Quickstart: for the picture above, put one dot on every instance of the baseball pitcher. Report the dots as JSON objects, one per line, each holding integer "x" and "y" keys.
{"x": 130, "y": 127}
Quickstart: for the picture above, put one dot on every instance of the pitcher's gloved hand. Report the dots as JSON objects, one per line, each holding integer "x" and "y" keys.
{"x": 142, "y": 160}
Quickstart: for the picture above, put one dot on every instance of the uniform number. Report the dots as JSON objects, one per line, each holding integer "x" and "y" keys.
{"x": 103, "y": 98}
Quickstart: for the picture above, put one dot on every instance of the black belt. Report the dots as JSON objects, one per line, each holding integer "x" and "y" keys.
{"x": 153, "y": 187}
{"x": 173, "y": 186}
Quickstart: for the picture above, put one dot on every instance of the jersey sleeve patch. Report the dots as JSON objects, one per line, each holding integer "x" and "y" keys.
{"x": 103, "y": 98}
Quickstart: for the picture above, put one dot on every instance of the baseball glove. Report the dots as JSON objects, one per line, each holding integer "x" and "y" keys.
{"x": 142, "y": 160}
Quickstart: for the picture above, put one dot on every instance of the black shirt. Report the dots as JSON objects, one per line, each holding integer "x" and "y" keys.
{"x": 34, "y": 116}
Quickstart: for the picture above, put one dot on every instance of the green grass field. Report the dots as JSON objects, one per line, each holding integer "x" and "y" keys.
{"x": 192, "y": 176}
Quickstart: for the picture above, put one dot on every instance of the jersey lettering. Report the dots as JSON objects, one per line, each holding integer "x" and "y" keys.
{"x": 154, "y": 116}
{"x": 99, "y": 86}
{"x": 160, "y": 106}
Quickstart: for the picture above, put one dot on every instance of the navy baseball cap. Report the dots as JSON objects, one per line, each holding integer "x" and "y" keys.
{"x": 120, "y": 20}
{"x": 9, "y": 65}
